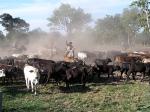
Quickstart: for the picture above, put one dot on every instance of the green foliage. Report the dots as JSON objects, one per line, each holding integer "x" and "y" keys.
{"x": 68, "y": 19}
{"x": 118, "y": 28}
{"x": 144, "y": 14}
{"x": 13, "y": 24}
{"x": 109, "y": 28}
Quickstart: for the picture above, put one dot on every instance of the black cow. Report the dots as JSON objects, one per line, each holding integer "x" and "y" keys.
{"x": 76, "y": 75}
{"x": 7, "y": 60}
{"x": 136, "y": 67}
{"x": 102, "y": 61}
{"x": 123, "y": 68}
{"x": 101, "y": 66}
{"x": 11, "y": 72}
{"x": 69, "y": 72}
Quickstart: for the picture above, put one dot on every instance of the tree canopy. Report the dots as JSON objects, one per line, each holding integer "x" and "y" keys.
{"x": 13, "y": 24}
{"x": 144, "y": 14}
{"x": 68, "y": 19}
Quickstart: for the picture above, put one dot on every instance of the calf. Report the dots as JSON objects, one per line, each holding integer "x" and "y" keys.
{"x": 32, "y": 76}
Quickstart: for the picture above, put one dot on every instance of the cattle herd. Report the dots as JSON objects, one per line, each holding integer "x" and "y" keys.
{"x": 35, "y": 70}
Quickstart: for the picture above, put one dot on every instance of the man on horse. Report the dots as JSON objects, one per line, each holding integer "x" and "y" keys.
{"x": 69, "y": 50}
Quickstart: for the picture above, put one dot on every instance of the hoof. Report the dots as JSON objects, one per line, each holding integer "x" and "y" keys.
{"x": 35, "y": 93}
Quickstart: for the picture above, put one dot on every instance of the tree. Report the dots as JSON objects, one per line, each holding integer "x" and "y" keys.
{"x": 108, "y": 29}
{"x": 2, "y": 35}
{"x": 13, "y": 24}
{"x": 144, "y": 15}
{"x": 130, "y": 22}
{"x": 119, "y": 29}
{"x": 68, "y": 19}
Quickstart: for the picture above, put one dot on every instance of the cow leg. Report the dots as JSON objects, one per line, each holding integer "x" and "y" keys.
{"x": 67, "y": 85}
{"x": 3, "y": 80}
{"x": 83, "y": 80}
{"x": 47, "y": 80}
{"x": 83, "y": 83}
{"x": 121, "y": 74}
{"x": 11, "y": 79}
{"x": 128, "y": 74}
{"x": 28, "y": 84}
{"x": 143, "y": 75}
{"x": 110, "y": 72}
{"x": 99, "y": 73}
{"x": 32, "y": 86}
{"x": 133, "y": 76}
{"x": 113, "y": 76}
{"x": 108, "y": 75}
{"x": 35, "y": 87}
{"x": 148, "y": 74}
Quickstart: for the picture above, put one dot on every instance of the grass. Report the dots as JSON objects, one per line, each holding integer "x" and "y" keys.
{"x": 96, "y": 97}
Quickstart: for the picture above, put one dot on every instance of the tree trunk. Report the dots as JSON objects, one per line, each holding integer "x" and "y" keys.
{"x": 147, "y": 19}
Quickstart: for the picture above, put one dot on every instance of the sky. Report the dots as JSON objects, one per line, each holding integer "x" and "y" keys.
{"x": 36, "y": 12}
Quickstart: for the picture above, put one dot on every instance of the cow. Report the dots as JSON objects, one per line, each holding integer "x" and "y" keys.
{"x": 32, "y": 77}
{"x": 46, "y": 66}
{"x": 76, "y": 75}
{"x": 136, "y": 67}
{"x": 146, "y": 60}
{"x": 124, "y": 58}
{"x": 102, "y": 61}
{"x": 82, "y": 56}
{"x": 100, "y": 66}
{"x": 2, "y": 75}
{"x": 7, "y": 60}
{"x": 11, "y": 73}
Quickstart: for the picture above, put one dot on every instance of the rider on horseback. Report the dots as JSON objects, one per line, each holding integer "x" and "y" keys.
{"x": 69, "y": 50}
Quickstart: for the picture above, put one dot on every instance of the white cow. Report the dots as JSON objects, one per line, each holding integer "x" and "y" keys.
{"x": 32, "y": 77}
{"x": 82, "y": 56}
{"x": 16, "y": 55}
{"x": 2, "y": 73}
{"x": 32, "y": 56}
{"x": 146, "y": 60}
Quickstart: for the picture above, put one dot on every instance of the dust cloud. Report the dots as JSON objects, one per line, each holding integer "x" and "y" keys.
{"x": 53, "y": 45}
